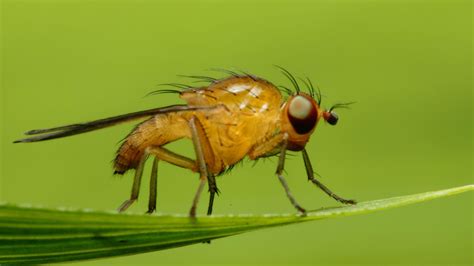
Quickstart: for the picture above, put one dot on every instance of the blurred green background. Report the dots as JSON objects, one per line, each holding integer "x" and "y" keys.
{"x": 406, "y": 63}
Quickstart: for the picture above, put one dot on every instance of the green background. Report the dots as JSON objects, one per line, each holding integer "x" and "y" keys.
{"x": 406, "y": 63}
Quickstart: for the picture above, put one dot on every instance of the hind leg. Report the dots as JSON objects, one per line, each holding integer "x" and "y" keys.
{"x": 160, "y": 154}
{"x": 166, "y": 155}
{"x": 203, "y": 153}
{"x": 136, "y": 184}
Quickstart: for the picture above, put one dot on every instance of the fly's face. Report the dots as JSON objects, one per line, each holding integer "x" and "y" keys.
{"x": 300, "y": 115}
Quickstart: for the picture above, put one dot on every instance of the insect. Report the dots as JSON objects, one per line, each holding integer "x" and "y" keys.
{"x": 227, "y": 120}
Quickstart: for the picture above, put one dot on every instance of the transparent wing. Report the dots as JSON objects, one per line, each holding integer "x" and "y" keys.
{"x": 74, "y": 129}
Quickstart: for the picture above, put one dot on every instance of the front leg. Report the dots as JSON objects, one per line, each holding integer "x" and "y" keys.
{"x": 310, "y": 173}
{"x": 276, "y": 144}
{"x": 267, "y": 148}
{"x": 279, "y": 171}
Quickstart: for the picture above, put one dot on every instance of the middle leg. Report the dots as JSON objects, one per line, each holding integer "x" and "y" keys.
{"x": 279, "y": 173}
{"x": 153, "y": 185}
{"x": 277, "y": 144}
{"x": 213, "y": 190}
{"x": 203, "y": 152}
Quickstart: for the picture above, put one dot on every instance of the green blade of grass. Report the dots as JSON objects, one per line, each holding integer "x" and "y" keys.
{"x": 38, "y": 235}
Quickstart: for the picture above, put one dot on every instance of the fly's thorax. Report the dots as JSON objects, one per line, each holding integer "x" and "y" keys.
{"x": 299, "y": 117}
{"x": 245, "y": 95}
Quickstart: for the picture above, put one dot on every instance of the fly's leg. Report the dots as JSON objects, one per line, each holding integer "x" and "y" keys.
{"x": 136, "y": 184}
{"x": 310, "y": 173}
{"x": 267, "y": 148}
{"x": 184, "y": 162}
{"x": 212, "y": 191}
{"x": 168, "y": 156}
{"x": 160, "y": 154}
{"x": 203, "y": 171}
{"x": 279, "y": 171}
{"x": 192, "y": 211}
{"x": 209, "y": 159}
{"x": 153, "y": 185}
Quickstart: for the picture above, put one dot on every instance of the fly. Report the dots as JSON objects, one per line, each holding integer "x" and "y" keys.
{"x": 231, "y": 118}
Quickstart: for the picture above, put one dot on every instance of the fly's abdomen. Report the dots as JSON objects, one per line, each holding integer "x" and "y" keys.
{"x": 156, "y": 131}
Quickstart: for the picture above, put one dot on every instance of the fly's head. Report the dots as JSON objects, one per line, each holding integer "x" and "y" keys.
{"x": 302, "y": 111}
{"x": 299, "y": 117}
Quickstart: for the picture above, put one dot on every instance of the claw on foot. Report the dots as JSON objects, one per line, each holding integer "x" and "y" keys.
{"x": 349, "y": 202}
{"x": 125, "y": 205}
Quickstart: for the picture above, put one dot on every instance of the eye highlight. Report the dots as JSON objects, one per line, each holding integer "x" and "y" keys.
{"x": 300, "y": 107}
{"x": 302, "y": 114}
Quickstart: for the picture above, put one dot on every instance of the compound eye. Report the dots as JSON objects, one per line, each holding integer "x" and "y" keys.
{"x": 302, "y": 114}
{"x": 331, "y": 117}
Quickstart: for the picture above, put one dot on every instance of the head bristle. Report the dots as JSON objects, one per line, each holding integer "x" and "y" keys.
{"x": 292, "y": 79}
{"x": 341, "y": 105}
{"x": 285, "y": 89}
{"x": 309, "y": 86}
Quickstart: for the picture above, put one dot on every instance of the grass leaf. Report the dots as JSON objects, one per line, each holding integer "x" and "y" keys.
{"x": 38, "y": 235}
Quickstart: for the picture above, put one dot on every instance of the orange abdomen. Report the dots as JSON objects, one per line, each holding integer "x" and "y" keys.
{"x": 156, "y": 131}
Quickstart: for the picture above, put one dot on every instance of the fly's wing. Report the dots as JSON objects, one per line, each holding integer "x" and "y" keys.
{"x": 74, "y": 129}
